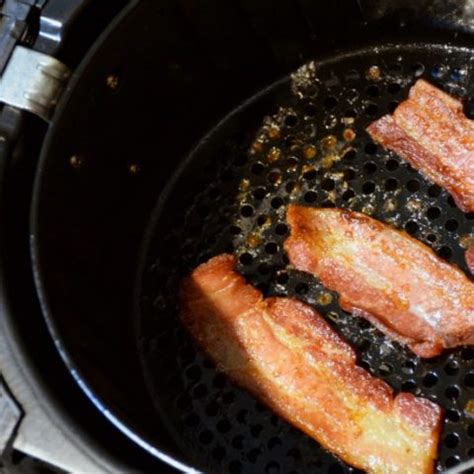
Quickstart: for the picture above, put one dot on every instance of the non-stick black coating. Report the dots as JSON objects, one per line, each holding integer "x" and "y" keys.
{"x": 151, "y": 88}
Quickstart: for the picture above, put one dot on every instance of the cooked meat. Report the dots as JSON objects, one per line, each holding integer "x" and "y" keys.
{"x": 431, "y": 132}
{"x": 286, "y": 355}
{"x": 386, "y": 276}
{"x": 469, "y": 255}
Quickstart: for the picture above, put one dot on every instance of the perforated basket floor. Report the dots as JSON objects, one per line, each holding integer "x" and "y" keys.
{"x": 301, "y": 140}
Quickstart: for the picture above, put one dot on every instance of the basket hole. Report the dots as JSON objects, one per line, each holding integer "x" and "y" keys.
{"x": 451, "y": 368}
{"x": 413, "y": 185}
{"x": 371, "y": 109}
{"x": 290, "y": 187}
{"x": 451, "y": 461}
{"x": 453, "y": 415}
{"x": 219, "y": 381}
{"x": 451, "y": 225}
{"x": 395, "y": 67}
{"x": 272, "y": 468}
{"x": 310, "y": 174}
{"x": 259, "y": 193}
{"x": 301, "y": 288}
{"x": 391, "y": 184}
{"x": 193, "y": 373}
{"x": 438, "y": 71}
{"x": 242, "y": 416}
{"x": 277, "y": 202}
{"x": 434, "y": 190}
{"x": 408, "y": 367}
{"x": 264, "y": 268}
{"x": 418, "y": 69}
{"x": 310, "y": 196}
{"x": 392, "y": 165}
{"x": 212, "y": 409}
{"x": 330, "y": 102}
{"x": 392, "y": 106}
{"x": 274, "y": 442}
{"x": 364, "y": 345}
{"x": 240, "y": 160}
{"x": 335, "y": 469}
{"x": 200, "y": 391}
{"x": 223, "y": 426}
{"x": 470, "y": 430}
{"x": 328, "y": 184}
{"x": 469, "y": 380}
{"x": 408, "y": 386}
{"x": 295, "y": 453}
{"x": 235, "y": 230}
{"x": 203, "y": 211}
{"x": 468, "y": 353}
{"x": 271, "y": 248}
{"x": 274, "y": 177}
{"x": 235, "y": 467}
{"x": 385, "y": 369}
{"x": 368, "y": 187}
{"x": 349, "y": 194}
{"x": 433, "y": 213}
{"x": 253, "y": 455}
{"x": 329, "y": 204}
{"x": 227, "y": 175}
{"x": 394, "y": 88}
{"x": 258, "y": 168}
{"x": 218, "y": 453}
{"x": 373, "y": 91}
{"x": 238, "y": 442}
{"x": 411, "y": 227}
{"x": 451, "y": 201}
{"x": 445, "y": 252}
{"x": 246, "y": 258}
{"x": 350, "y": 154}
{"x": 350, "y": 114}
{"x": 205, "y": 437}
{"x": 256, "y": 430}
{"x": 291, "y": 120}
{"x": 451, "y": 440}
{"x": 452, "y": 392}
{"x": 282, "y": 278}
{"x": 370, "y": 167}
{"x": 191, "y": 420}
{"x": 310, "y": 110}
{"x": 281, "y": 229}
{"x": 370, "y": 148}
{"x": 430, "y": 380}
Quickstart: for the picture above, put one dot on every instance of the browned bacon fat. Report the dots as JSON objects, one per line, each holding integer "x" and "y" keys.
{"x": 431, "y": 132}
{"x": 386, "y": 276}
{"x": 286, "y": 355}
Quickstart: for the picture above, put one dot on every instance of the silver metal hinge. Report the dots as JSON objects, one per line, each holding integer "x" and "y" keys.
{"x": 33, "y": 81}
{"x": 10, "y": 415}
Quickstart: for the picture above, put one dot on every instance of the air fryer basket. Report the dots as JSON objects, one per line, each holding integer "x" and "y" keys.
{"x": 231, "y": 196}
{"x": 160, "y": 80}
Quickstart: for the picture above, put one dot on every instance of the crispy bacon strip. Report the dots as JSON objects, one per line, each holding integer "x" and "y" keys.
{"x": 469, "y": 256}
{"x": 386, "y": 276}
{"x": 285, "y": 354}
{"x": 431, "y": 132}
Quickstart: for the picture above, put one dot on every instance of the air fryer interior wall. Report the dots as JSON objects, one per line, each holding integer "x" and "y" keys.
{"x": 153, "y": 87}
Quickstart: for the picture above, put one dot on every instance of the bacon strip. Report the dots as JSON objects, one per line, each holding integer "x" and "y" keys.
{"x": 286, "y": 355}
{"x": 469, "y": 256}
{"x": 386, "y": 276}
{"x": 431, "y": 132}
